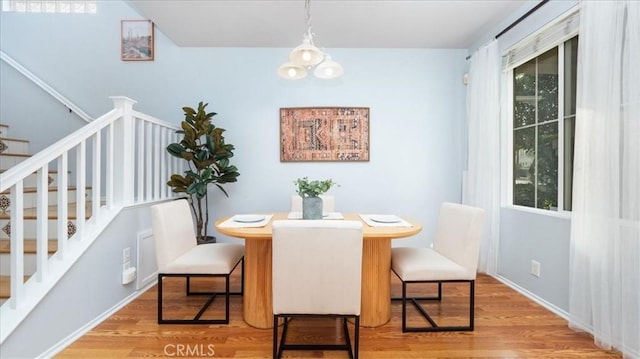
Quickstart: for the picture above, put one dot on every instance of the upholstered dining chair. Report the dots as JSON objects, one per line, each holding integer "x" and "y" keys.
{"x": 328, "y": 203}
{"x": 179, "y": 255}
{"x": 453, "y": 258}
{"x": 316, "y": 272}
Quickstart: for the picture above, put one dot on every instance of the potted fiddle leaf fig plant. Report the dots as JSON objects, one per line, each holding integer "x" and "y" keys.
{"x": 310, "y": 192}
{"x": 207, "y": 155}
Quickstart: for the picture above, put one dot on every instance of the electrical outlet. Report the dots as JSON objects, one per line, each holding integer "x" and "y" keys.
{"x": 535, "y": 268}
{"x": 126, "y": 258}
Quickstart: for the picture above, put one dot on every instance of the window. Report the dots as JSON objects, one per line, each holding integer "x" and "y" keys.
{"x": 51, "y": 6}
{"x": 544, "y": 108}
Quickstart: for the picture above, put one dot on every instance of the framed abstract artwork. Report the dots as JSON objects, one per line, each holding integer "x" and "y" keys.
{"x": 136, "y": 40}
{"x": 324, "y": 134}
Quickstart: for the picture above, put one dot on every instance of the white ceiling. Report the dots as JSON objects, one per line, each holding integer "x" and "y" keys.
{"x": 336, "y": 23}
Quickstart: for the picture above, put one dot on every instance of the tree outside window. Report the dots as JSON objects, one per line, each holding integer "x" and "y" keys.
{"x": 537, "y": 139}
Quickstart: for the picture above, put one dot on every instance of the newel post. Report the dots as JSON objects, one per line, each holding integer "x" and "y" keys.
{"x": 123, "y": 152}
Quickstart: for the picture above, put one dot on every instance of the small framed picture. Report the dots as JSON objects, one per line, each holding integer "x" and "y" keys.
{"x": 136, "y": 40}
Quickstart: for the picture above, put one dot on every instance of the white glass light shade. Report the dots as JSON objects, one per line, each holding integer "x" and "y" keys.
{"x": 328, "y": 69}
{"x": 306, "y": 54}
{"x": 291, "y": 71}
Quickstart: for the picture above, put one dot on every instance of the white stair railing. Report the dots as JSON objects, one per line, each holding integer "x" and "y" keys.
{"x": 43, "y": 85}
{"x": 128, "y": 166}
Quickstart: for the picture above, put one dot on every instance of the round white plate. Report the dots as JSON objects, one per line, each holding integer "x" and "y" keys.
{"x": 248, "y": 218}
{"x": 385, "y": 219}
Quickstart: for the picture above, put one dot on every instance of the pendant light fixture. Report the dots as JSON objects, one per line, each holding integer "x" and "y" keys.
{"x": 307, "y": 55}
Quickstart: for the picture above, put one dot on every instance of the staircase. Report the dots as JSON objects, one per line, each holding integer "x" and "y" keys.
{"x": 54, "y": 204}
{"x": 12, "y": 152}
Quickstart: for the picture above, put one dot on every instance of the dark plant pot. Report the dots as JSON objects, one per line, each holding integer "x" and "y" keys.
{"x": 207, "y": 239}
{"x": 311, "y": 208}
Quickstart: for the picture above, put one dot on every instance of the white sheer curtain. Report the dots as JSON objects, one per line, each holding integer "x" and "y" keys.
{"x": 482, "y": 184}
{"x": 605, "y": 229}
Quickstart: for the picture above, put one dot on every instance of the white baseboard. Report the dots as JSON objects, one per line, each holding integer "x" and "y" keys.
{"x": 61, "y": 345}
{"x": 556, "y": 310}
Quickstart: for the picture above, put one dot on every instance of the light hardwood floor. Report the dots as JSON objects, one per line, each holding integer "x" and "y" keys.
{"x": 508, "y": 325}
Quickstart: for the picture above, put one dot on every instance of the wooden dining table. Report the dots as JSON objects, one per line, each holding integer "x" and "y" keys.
{"x": 376, "y": 270}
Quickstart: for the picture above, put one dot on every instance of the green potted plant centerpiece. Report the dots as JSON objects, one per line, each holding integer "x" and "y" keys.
{"x": 207, "y": 157}
{"x": 310, "y": 192}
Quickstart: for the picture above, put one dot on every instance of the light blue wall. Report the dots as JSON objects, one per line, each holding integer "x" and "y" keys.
{"x": 534, "y": 235}
{"x": 527, "y": 236}
{"x": 416, "y": 100}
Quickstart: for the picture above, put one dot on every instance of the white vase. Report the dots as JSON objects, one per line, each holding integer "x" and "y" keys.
{"x": 311, "y": 208}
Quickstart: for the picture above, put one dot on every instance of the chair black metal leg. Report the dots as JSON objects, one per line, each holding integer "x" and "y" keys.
{"x": 204, "y": 307}
{"x": 434, "y": 326}
{"x": 345, "y": 331}
{"x": 356, "y": 334}
{"x": 423, "y": 312}
{"x": 241, "y": 292}
{"x": 275, "y": 337}
{"x": 159, "y": 298}
{"x": 472, "y": 295}
{"x": 212, "y": 295}
{"x": 283, "y": 338}
{"x": 404, "y": 306}
{"x": 280, "y": 340}
{"x": 242, "y": 279}
{"x": 226, "y": 296}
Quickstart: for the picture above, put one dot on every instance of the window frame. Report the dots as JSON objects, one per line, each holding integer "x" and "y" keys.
{"x": 571, "y": 30}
